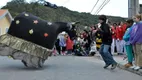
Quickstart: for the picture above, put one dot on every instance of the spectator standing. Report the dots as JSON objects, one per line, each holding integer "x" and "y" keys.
{"x": 136, "y": 41}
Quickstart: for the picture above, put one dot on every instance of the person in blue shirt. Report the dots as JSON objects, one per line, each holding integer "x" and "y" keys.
{"x": 128, "y": 46}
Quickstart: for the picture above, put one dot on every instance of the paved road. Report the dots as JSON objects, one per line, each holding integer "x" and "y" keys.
{"x": 63, "y": 68}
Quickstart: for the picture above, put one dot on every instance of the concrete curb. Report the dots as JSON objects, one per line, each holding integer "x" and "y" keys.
{"x": 121, "y": 66}
{"x": 130, "y": 70}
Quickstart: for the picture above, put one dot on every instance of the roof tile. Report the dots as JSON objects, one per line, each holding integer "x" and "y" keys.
{"x": 2, "y": 11}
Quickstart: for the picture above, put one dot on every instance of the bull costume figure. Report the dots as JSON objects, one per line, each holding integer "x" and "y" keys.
{"x": 31, "y": 39}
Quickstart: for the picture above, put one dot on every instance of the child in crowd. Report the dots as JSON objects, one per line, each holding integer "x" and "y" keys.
{"x": 128, "y": 46}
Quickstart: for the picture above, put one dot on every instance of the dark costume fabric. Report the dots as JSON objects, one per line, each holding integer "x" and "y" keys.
{"x": 31, "y": 39}
{"x": 33, "y": 29}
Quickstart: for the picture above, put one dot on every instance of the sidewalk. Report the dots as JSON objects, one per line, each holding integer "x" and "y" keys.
{"x": 121, "y": 62}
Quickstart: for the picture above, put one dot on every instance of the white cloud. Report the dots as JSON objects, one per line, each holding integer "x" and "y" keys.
{"x": 3, "y": 2}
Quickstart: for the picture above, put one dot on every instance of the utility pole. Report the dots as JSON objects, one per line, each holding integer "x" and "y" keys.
{"x": 133, "y": 8}
{"x": 141, "y": 8}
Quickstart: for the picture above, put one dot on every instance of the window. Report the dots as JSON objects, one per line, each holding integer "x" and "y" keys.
{"x": 6, "y": 30}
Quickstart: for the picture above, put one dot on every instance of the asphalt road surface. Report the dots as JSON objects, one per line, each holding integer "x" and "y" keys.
{"x": 63, "y": 68}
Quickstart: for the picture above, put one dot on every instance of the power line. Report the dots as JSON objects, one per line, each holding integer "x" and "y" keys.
{"x": 94, "y": 6}
{"x": 105, "y": 1}
{"x": 101, "y": 7}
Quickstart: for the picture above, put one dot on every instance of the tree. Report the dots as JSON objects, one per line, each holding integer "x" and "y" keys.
{"x": 18, "y": 2}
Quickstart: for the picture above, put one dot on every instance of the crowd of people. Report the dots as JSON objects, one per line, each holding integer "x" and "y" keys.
{"x": 123, "y": 38}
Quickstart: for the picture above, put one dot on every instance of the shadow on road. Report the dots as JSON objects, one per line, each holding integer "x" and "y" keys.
{"x": 8, "y": 68}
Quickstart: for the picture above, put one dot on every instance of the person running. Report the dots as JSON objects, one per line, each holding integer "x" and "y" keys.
{"x": 106, "y": 43}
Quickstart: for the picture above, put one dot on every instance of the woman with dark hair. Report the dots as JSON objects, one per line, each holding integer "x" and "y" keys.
{"x": 87, "y": 39}
{"x": 113, "y": 45}
{"x": 128, "y": 46}
{"x": 93, "y": 32}
{"x": 119, "y": 38}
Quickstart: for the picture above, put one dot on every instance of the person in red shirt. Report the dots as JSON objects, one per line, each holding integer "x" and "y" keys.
{"x": 119, "y": 36}
{"x": 124, "y": 28}
{"x": 85, "y": 33}
{"x": 69, "y": 45}
{"x": 123, "y": 49}
{"x": 113, "y": 28}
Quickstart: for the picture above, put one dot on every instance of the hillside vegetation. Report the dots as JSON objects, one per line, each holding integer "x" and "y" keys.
{"x": 50, "y": 14}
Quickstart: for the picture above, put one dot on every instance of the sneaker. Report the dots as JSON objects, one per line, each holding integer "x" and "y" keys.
{"x": 128, "y": 65}
{"x": 113, "y": 66}
{"x": 137, "y": 68}
{"x": 106, "y": 66}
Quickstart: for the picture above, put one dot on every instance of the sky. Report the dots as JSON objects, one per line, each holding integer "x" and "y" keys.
{"x": 113, "y": 8}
